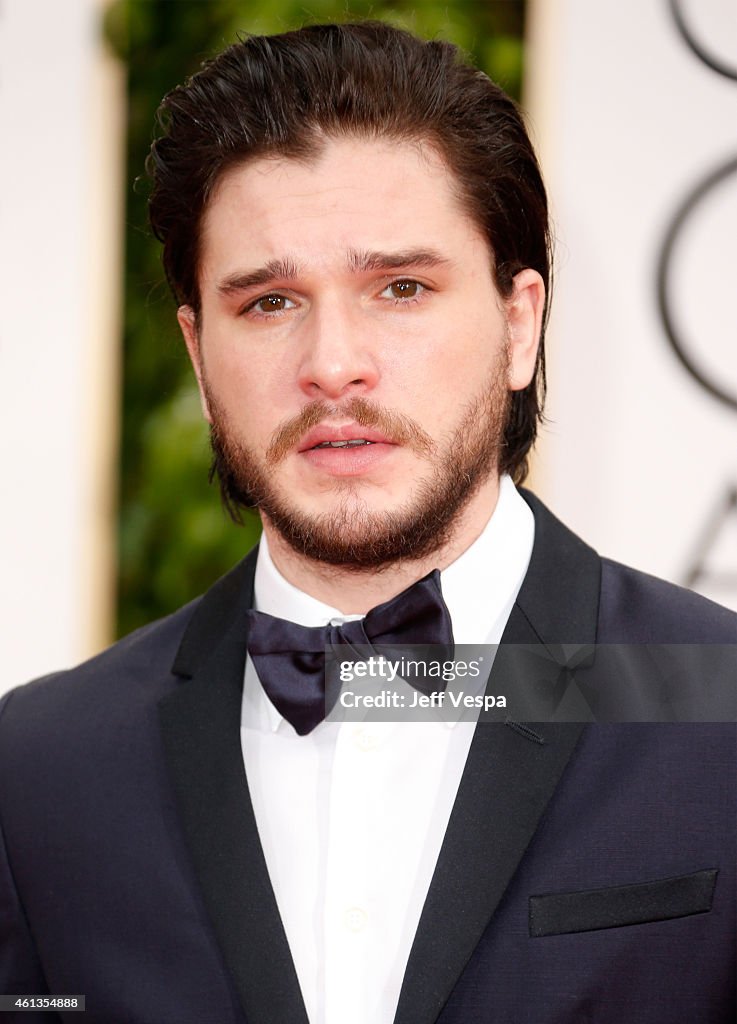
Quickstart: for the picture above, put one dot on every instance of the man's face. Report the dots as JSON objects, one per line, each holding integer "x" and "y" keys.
{"x": 353, "y": 355}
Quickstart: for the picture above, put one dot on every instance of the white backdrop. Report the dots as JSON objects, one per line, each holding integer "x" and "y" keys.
{"x": 61, "y": 104}
{"x": 640, "y": 456}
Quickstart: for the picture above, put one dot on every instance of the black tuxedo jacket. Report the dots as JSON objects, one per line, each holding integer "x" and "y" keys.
{"x": 587, "y": 873}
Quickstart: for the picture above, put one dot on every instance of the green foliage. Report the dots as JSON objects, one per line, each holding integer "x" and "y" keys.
{"x": 175, "y": 540}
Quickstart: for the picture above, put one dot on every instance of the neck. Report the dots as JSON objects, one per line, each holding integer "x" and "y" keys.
{"x": 355, "y": 592}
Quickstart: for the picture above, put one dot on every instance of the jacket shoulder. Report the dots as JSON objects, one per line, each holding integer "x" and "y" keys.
{"x": 105, "y": 688}
{"x": 638, "y": 608}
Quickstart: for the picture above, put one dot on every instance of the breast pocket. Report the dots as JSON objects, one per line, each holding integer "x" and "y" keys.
{"x": 564, "y": 912}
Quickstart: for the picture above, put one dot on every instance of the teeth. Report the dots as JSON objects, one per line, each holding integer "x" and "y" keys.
{"x": 343, "y": 444}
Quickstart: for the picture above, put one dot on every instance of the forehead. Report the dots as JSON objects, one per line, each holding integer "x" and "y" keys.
{"x": 355, "y": 194}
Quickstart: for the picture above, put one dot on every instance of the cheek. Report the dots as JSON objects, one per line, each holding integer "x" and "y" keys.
{"x": 248, "y": 384}
{"x": 456, "y": 362}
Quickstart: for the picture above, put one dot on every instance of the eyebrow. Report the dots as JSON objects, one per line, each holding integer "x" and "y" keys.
{"x": 361, "y": 260}
{"x": 358, "y": 261}
{"x": 274, "y": 270}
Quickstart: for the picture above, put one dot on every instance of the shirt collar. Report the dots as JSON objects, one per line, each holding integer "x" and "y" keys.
{"x": 482, "y": 584}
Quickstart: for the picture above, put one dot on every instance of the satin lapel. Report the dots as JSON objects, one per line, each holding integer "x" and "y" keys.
{"x": 200, "y": 723}
{"x": 509, "y": 778}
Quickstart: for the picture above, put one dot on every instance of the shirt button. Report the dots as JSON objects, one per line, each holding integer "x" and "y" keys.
{"x": 365, "y": 740}
{"x": 355, "y": 919}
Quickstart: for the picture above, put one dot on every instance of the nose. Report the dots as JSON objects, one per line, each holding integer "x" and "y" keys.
{"x": 339, "y": 358}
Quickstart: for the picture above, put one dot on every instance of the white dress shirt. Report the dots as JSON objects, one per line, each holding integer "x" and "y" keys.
{"x": 352, "y": 816}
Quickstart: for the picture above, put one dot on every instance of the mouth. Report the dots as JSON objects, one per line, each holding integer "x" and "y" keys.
{"x": 348, "y": 435}
{"x": 349, "y": 450}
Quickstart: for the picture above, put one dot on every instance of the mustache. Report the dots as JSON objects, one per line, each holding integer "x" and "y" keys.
{"x": 394, "y": 426}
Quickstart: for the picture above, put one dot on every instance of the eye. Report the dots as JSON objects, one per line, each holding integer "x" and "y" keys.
{"x": 270, "y": 304}
{"x": 403, "y": 289}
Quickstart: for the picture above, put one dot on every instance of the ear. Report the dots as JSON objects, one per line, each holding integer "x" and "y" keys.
{"x": 524, "y": 310}
{"x": 188, "y": 325}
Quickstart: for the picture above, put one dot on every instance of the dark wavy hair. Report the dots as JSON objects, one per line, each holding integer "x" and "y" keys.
{"x": 285, "y": 94}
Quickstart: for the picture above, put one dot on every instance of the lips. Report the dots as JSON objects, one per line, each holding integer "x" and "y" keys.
{"x": 349, "y": 435}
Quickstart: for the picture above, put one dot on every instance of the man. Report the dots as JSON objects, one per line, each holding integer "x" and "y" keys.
{"x": 355, "y": 230}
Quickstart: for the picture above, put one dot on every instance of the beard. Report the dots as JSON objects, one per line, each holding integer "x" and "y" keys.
{"x": 350, "y": 534}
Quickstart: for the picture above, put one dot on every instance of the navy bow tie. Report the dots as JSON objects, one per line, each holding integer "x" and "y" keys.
{"x": 290, "y": 659}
